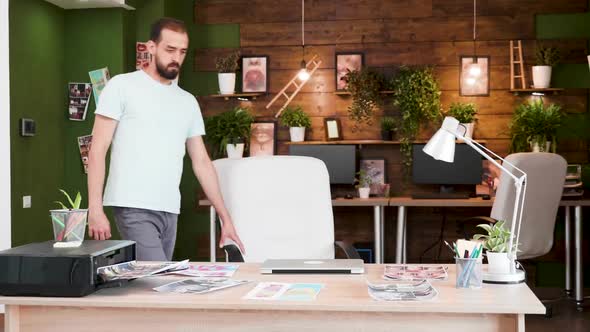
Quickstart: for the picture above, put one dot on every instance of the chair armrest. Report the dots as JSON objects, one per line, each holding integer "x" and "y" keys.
{"x": 480, "y": 219}
{"x": 233, "y": 254}
{"x": 349, "y": 250}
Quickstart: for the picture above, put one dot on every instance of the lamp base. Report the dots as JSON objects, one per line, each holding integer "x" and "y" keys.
{"x": 504, "y": 278}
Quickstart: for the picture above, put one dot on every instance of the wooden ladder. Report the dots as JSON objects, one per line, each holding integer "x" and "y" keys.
{"x": 311, "y": 66}
{"x": 519, "y": 62}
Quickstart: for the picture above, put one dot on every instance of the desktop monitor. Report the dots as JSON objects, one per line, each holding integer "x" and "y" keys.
{"x": 339, "y": 159}
{"x": 465, "y": 170}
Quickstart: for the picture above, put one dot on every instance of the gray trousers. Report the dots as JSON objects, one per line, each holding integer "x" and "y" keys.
{"x": 153, "y": 231}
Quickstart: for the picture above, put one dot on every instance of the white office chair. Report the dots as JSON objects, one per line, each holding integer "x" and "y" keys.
{"x": 281, "y": 208}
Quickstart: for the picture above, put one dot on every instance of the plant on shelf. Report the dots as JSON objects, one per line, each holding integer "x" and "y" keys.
{"x": 226, "y": 68}
{"x": 546, "y": 58}
{"x": 297, "y": 120}
{"x": 363, "y": 183}
{"x": 496, "y": 242}
{"x": 417, "y": 95}
{"x": 388, "y": 127}
{"x": 465, "y": 114}
{"x": 69, "y": 222}
{"x": 534, "y": 126}
{"x": 229, "y": 131}
{"x": 364, "y": 86}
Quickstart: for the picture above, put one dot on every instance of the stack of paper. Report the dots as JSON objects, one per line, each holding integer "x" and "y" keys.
{"x": 284, "y": 291}
{"x": 208, "y": 271}
{"x": 135, "y": 270}
{"x": 199, "y": 285}
{"x": 403, "y": 291}
{"x": 415, "y": 272}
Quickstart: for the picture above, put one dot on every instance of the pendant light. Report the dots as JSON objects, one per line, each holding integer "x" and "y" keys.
{"x": 303, "y": 73}
{"x": 474, "y": 68}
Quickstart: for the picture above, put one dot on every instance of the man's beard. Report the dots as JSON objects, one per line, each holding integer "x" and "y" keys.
{"x": 169, "y": 72}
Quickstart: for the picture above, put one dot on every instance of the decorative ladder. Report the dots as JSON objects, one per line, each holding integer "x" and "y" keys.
{"x": 519, "y": 62}
{"x": 311, "y": 66}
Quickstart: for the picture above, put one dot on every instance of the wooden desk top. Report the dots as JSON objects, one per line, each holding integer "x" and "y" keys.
{"x": 373, "y": 201}
{"x": 344, "y": 293}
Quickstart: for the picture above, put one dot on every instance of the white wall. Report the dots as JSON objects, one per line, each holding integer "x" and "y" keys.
{"x": 5, "y": 124}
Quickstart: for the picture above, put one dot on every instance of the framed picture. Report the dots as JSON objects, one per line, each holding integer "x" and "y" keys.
{"x": 474, "y": 79}
{"x": 263, "y": 138}
{"x": 345, "y": 62}
{"x": 255, "y": 73}
{"x": 375, "y": 169}
{"x": 332, "y": 129}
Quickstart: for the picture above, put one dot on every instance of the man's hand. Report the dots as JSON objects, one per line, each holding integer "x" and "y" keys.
{"x": 228, "y": 232}
{"x": 99, "y": 227}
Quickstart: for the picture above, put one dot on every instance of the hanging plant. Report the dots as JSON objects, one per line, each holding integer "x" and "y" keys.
{"x": 364, "y": 86}
{"x": 417, "y": 95}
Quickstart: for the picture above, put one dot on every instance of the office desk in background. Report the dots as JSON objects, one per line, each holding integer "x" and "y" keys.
{"x": 342, "y": 305}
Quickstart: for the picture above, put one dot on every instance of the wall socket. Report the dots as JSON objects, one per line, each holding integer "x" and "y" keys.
{"x": 26, "y": 202}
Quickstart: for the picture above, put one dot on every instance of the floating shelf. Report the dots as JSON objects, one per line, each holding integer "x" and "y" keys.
{"x": 554, "y": 91}
{"x": 238, "y": 95}
{"x": 346, "y": 93}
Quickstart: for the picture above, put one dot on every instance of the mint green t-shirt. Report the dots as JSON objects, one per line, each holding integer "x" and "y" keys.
{"x": 154, "y": 122}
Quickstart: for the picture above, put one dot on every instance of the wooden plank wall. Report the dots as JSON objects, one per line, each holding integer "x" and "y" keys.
{"x": 391, "y": 34}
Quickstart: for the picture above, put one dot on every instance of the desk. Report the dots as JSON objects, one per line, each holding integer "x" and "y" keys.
{"x": 378, "y": 205}
{"x": 343, "y": 305}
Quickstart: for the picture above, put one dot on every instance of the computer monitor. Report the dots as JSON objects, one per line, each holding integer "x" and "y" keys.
{"x": 465, "y": 170}
{"x": 339, "y": 159}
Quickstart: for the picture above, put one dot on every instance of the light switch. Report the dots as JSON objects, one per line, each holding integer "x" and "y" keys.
{"x": 26, "y": 202}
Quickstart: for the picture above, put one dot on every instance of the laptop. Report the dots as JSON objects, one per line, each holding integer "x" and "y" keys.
{"x": 313, "y": 266}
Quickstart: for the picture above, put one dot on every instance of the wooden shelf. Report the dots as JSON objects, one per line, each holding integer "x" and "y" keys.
{"x": 360, "y": 142}
{"x": 238, "y": 95}
{"x": 554, "y": 91}
{"x": 346, "y": 93}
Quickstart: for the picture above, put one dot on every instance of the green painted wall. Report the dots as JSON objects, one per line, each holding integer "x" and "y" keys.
{"x": 37, "y": 91}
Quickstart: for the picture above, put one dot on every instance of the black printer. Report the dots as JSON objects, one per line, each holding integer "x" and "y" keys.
{"x": 39, "y": 269}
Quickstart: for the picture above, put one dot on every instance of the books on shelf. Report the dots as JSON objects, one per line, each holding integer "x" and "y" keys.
{"x": 573, "y": 186}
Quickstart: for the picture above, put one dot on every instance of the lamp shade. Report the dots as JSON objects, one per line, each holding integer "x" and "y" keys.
{"x": 442, "y": 145}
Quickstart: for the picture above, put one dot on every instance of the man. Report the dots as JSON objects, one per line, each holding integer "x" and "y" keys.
{"x": 149, "y": 120}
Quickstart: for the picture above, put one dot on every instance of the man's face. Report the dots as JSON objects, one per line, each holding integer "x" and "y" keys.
{"x": 169, "y": 53}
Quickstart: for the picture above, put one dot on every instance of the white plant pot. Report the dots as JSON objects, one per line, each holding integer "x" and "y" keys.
{"x": 541, "y": 77}
{"x": 364, "y": 192}
{"x": 536, "y": 147}
{"x": 235, "y": 151}
{"x": 227, "y": 83}
{"x": 297, "y": 134}
{"x": 498, "y": 262}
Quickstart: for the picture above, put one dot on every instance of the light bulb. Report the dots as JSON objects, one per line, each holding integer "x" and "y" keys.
{"x": 303, "y": 75}
{"x": 471, "y": 81}
{"x": 474, "y": 70}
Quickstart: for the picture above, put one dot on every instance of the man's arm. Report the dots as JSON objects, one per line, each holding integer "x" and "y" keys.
{"x": 207, "y": 176}
{"x": 102, "y": 136}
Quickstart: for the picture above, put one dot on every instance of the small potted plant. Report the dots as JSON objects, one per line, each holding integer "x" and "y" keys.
{"x": 228, "y": 131}
{"x": 465, "y": 113}
{"x": 69, "y": 222}
{"x": 546, "y": 58}
{"x": 226, "y": 68}
{"x": 388, "y": 127}
{"x": 496, "y": 244}
{"x": 363, "y": 182}
{"x": 297, "y": 121}
{"x": 534, "y": 127}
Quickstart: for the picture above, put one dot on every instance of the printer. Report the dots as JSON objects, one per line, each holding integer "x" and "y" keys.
{"x": 39, "y": 269}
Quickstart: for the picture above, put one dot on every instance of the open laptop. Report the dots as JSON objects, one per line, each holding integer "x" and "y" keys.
{"x": 313, "y": 266}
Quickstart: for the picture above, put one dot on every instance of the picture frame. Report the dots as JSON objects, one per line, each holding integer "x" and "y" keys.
{"x": 376, "y": 169}
{"x": 263, "y": 138}
{"x": 332, "y": 129}
{"x": 344, "y": 61}
{"x": 470, "y": 86}
{"x": 255, "y": 73}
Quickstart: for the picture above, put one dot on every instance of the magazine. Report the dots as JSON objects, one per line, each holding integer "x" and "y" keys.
{"x": 99, "y": 79}
{"x": 208, "y": 271}
{"x": 135, "y": 270}
{"x": 402, "y": 291}
{"x": 415, "y": 272}
{"x": 284, "y": 291}
{"x": 199, "y": 285}
{"x": 78, "y": 98}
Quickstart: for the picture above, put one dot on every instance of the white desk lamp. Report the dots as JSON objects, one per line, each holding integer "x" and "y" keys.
{"x": 442, "y": 147}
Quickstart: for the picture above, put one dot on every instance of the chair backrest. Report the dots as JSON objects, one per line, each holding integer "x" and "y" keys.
{"x": 545, "y": 180}
{"x": 281, "y": 206}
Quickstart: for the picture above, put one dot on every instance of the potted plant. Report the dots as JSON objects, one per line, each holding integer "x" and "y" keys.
{"x": 388, "y": 127}
{"x": 364, "y": 86}
{"x": 534, "y": 127}
{"x": 297, "y": 121}
{"x": 496, "y": 244}
{"x": 363, "y": 182}
{"x": 546, "y": 58}
{"x": 226, "y": 68}
{"x": 229, "y": 131}
{"x": 465, "y": 113}
{"x": 69, "y": 222}
{"x": 417, "y": 95}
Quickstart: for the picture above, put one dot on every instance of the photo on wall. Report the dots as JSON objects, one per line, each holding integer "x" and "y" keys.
{"x": 346, "y": 62}
{"x": 84, "y": 143}
{"x": 255, "y": 73}
{"x": 375, "y": 169}
{"x": 78, "y": 99}
{"x": 99, "y": 79}
{"x": 263, "y": 138}
{"x": 142, "y": 56}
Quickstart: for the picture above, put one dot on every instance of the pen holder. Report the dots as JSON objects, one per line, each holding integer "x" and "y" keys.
{"x": 469, "y": 272}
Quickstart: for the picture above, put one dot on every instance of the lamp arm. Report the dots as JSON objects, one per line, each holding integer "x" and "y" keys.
{"x": 524, "y": 184}
{"x": 504, "y": 161}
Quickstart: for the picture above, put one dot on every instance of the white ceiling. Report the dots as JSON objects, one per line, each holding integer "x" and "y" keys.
{"x": 84, "y": 4}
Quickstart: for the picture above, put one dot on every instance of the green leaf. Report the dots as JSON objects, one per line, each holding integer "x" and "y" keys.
{"x": 77, "y": 201}
{"x": 62, "y": 205}
{"x": 68, "y": 197}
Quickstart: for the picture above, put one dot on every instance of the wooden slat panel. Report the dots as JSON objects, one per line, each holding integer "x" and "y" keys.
{"x": 447, "y": 8}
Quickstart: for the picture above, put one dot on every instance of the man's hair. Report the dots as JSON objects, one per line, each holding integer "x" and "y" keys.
{"x": 165, "y": 23}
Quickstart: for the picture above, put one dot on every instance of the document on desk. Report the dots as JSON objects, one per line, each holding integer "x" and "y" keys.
{"x": 284, "y": 291}
{"x": 135, "y": 270}
{"x": 210, "y": 270}
{"x": 402, "y": 291}
{"x": 415, "y": 272}
{"x": 199, "y": 285}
